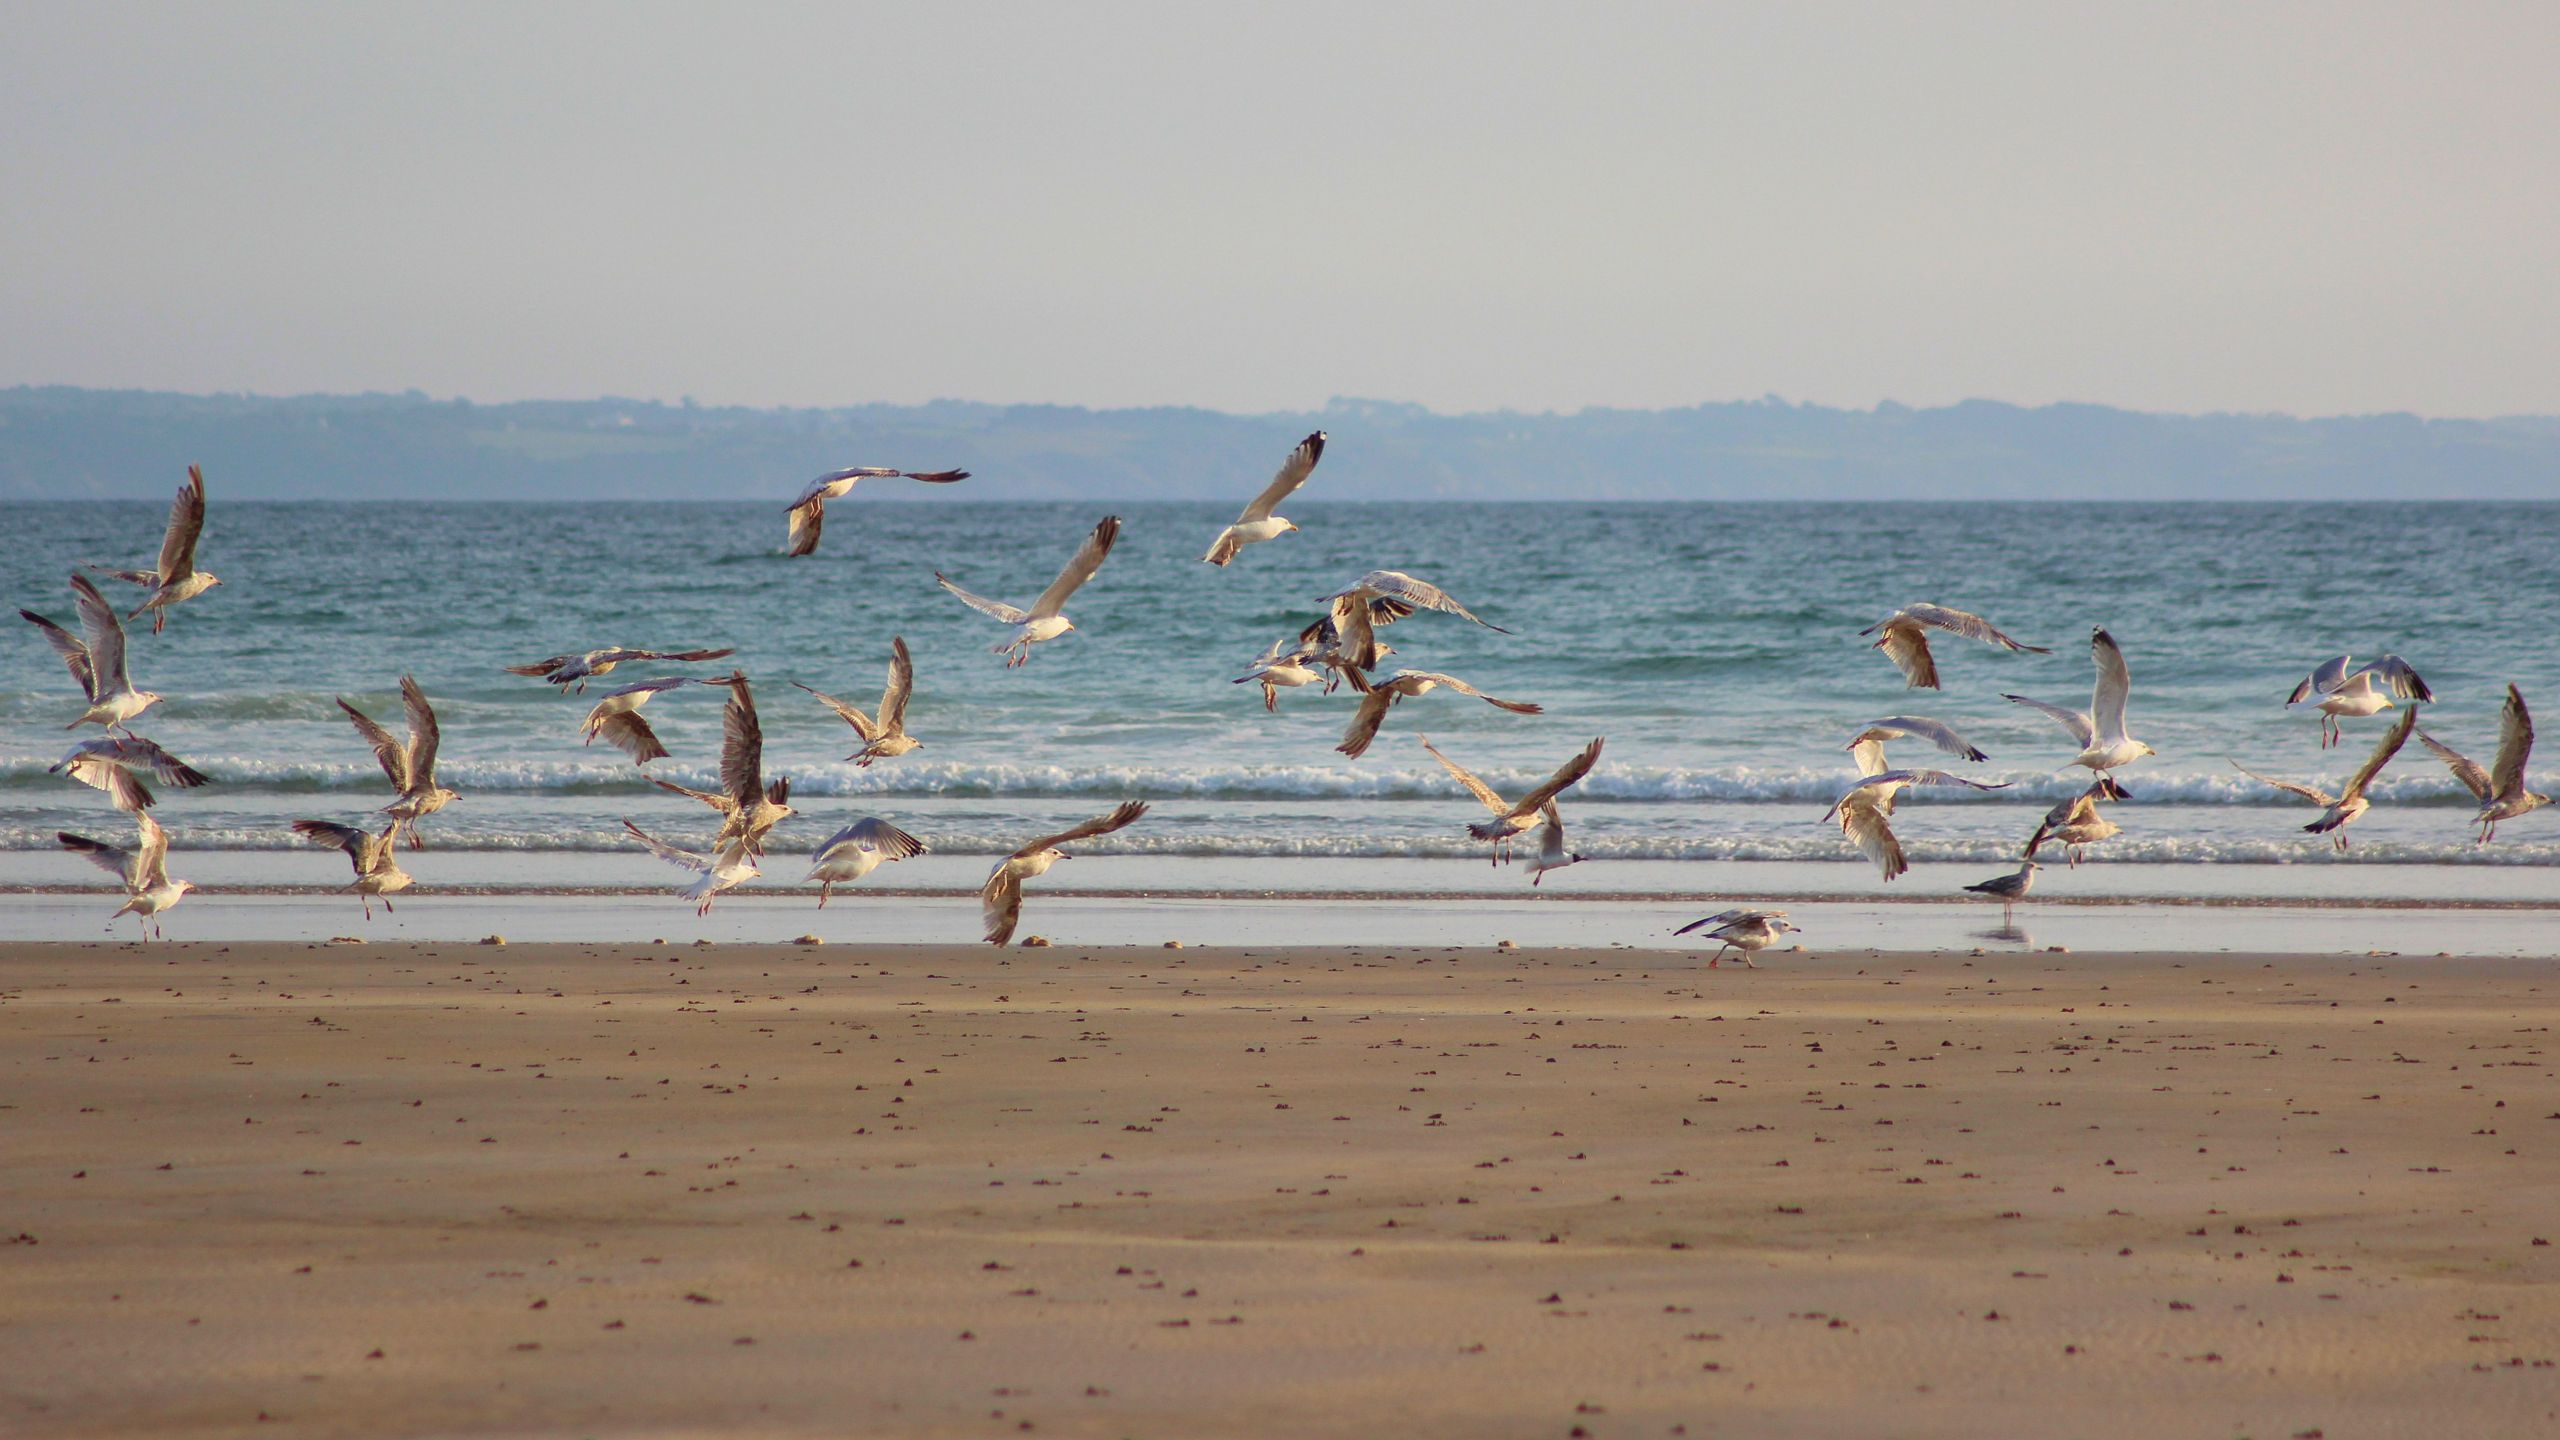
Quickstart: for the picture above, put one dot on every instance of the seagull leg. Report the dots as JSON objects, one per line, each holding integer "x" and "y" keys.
{"x": 825, "y": 889}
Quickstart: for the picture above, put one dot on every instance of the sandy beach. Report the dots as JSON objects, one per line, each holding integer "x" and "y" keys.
{"x": 293, "y": 1189}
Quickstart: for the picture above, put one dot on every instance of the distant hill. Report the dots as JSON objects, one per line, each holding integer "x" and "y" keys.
{"x": 64, "y": 443}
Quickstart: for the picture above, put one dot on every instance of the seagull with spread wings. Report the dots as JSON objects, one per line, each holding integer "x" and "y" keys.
{"x": 1868, "y": 744}
{"x": 2104, "y": 745}
{"x": 2340, "y": 687}
{"x": 565, "y": 670}
{"x": 616, "y": 718}
{"x": 1404, "y": 684}
{"x": 144, "y": 869}
{"x": 885, "y": 738}
{"x": 96, "y": 658}
{"x": 412, "y": 766}
{"x": 809, "y": 512}
{"x": 175, "y": 577}
{"x": 1512, "y": 819}
{"x": 749, "y": 807}
{"x": 1283, "y": 666}
{"x": 725, "y": 868}
{"x": 2075, "y": 824}
{"x": 856, "y": 851}
{"x": 1258, "y": 524}
{"x": 375, "y": 858}
{"x": 1905, "y": 639}
{"x": 1343, "y": 659}
{"x": 1865, "y": 810}
{"x": 1354, "y": 619}
{"x": 2501, "y": 788}
{"x": 1046, "y": 619}
{"x": 2347, "y": 806}
{"x": 1000, "y": 899}
{"x": 1746, "y": 932}
{"x": 109, "y": 763}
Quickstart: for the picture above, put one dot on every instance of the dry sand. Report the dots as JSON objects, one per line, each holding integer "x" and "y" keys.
{"x": 457, "y": 1190}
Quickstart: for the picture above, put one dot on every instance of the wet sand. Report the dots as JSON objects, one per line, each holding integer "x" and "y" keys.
{"x": 291, "y": 1189}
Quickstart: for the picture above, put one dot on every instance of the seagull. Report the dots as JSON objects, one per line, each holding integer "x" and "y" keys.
{"x": 2348, "y": 805}
{"x": 1551, "y": 852}
{"x": 2335, "y": 689}
{"x": 1865, "y": 807}
{"x": 108, "y": 763}
{"x": 176, "y": 577}
{"x": 856, "y": 851}
{"x": 750, "y": 808}
{"x": 1742, "y": 931}
{"x": 726, "y": 868}
{"x": 2075, "y": 824}
{"x": 96, "y": 658}
{"x": 579, "y": 669}
{"x": 1868, "y": 744}
{"x": 1906, "y": 639}
{"x": 2501, "y": 787}
{"x": 1353, "y": 618}
{"x": 1000, "y": 899}
{"x": 1340, "y": 659}
{"x": 1510, "y": 821}
{"x": 1403, "y": 683}
{"x": 2104, "y": 745}
{"x": 1282, "y": 665}
{"x": 2009, "y": 889}
{"x": 617, "y": 719}
{"x": 810, "y": 511}
{"x": 144, "y": 869}
{"x": 887, "y": 737}
{"x": 411, "y": 767}
{"x": 377, "y": 867}
{"x": 1044, "y": 620}
{"x": 1258, "y": 524}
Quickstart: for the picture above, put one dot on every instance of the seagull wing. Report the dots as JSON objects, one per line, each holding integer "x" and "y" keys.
{"x": 2331, "y": 674}
{"x": 2311, "y": 793}
{"x": 114, "y": 859}
{"x": 1088, "y": 558}
{"x": 936, "y": 477}
{"x": 424, "y": 733}
{"x": 685, "y": 859}
{"x": 2115, "y": 684}
{"x": 1365, "y": 722}
{"x": 817, "y": 489}
{"x": 902, "y": 683}
{"x": 721, "y": 803}
{"x": 873, "y": 833}
{"x": 741, "y": 745}
{"x": 860, "y": 722}
{"x": 1293, "y": 473}
{"x": 1421, "y": 594}
{"x": 2403, "y": 682}
{"x": 186, "y": 526}
{"x": 387, "y": 752}
{"x": 1867, "y": 828}
{"x": 151, "y": 857}
{"x": 1118, "y": 819}
{"x": 1516, "y": 707}
{"x": 1571, "y": 771}
{"x": 1551, "y": 841}
{"x": 2515, "y": 746}
{"x": 73, "y": 652}
{"x": 2473, "y": 778}
{"x": 540, "y": 667}
{"x": 1483, "y": 792}
{"x": 337, "y": 837}
{"x": 1868, "y": 753}
{"x": 631, "y": 734}
{"x": 687, "y": 656}
{"x": 1921, "y": 727}
{"x": 1947, "y": 777}
{"x": 1907, "y": 646}
{"x": 995, "y": 609}
{"x": 1000, "y": 903}
{"x": 1356, "y": 635}
{"x": 2382, "y": 753}
{"x": 2072, "y": 720}
{"x": 104, "y": 634}
{"x": 807, "y": 519}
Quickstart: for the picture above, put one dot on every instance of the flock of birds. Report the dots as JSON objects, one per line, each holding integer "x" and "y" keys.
{"x": 1338, "y": 647}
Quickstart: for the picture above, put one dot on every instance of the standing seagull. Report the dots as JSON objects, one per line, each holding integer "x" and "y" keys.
{"x": 411, "y": 767}
{"x": 1905, "y": 640}
{"x": 176, "y": 577}
{"x": 885, "y": 738}
{"x": 856, "y": 851}
{"x": 108, "y": 763}
{"x": 2334, "y": 690}
{"x": 2348, "y": 805}
{"x": 1743, "y": 931}
{"x": 144, "y": 870}
{"x": 1258, "y": 524}
{"x": 1353, "y": 618}
{"x": 1865, "y": 808}
{"x": 2104, "y": 745}
{"x": 96, "y": 658}
{"x": 725, "y": 868}
{"x": 1000, "y": 899}
{"x": 2009, "y": 889}
{"x": 375, "y": 858}
{"x": 617, "y": 719}
{"x": 750, "y": 808}
{"x": 1403, "y": 683}
{"x": 2075, "y": 824}
{"x": 565, "y": 670}
{"x": 1045, "y": 620}
{"x": 1551, "y": 852}
{"x": 1510, "y": 820}
{"x": 810, "y": 511}
{"x": 2500, "y": 788}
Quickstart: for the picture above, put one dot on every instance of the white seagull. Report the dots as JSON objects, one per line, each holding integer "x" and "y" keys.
{"x": 885, "y": 738}
{"x": 144, "y": 869}
{"x": 749, "y": 807}
{"x": 1283, "y": 666}
{"x": 1046, "y": 619}
{"x": 809, "y": 512}
{"x": 617, "y": 720}
{"x": 1402, "y": 684}
{"x": 1905, "y": 640}
{"x": 726, "y": 868}
{"x": 2501, "y": 788}
{"x": 1868, "y": 744}
{"x": 1258, "y": 524}
{"x": 108, "y": 763}
{"x": 1512, "y": 820}
{"x": 2009, "y": 889}
{"x": 1743, "y": 931}
{"x": 856, "y": 851}
{"x": 1000, "y": 899}
{"x": 1325, "y": 643}
{"x": 2075, "y": 824}
{"x": 2348, "y": 805}
{"x": 2104, "y": 745}
{"x": 375, "y": 858}
{"x": 1551, "y": 852}
{"x": 2335, "y": 689}
{"x": 175, "y": 577}
{"x": 1354, "y": 620}
{"x": 411, "y": 767}
{"x": 577, "y": 670}
{"x": 1866, "y": 806}
{"x": 96, "y": 658}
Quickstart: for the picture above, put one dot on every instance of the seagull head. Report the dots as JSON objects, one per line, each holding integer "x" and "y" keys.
{"x": 1288, "y": 525}
{"x": 209, "y": 578}
{"x": 186, "y": 887}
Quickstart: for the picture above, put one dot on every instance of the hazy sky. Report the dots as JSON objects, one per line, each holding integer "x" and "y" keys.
{"x": 2318, "y": 208}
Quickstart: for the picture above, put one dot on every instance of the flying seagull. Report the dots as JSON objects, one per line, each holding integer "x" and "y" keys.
{"x": 1865, "y": 808}
{"x": 108, "y": 763}
{"x": 1280, "y": 666}
{"x": 1551, "y": 852}
{"x": 1744, "y": 931}
{"x": 1323, "y": 642}
{"x": 809, "y": 512}
{"x": 1868, "y": 744}
{"x": 856, "y": 851}
{"x": 1354, "y": 620}
{"x": 885, "y": 738}
{"x": 726, "y": 867}
{"x": 2104, "y": 745}
{"x": 176, "y": 577}
{"x": 2501, "y": 788}
{"x": 1046, "y": 619}
{"x": 1000, "y": 899}
{"x": 2009, "y": 889}
{"x": 96, "y": 659}
{"x": 2340, "y": 687}
{"x": 144, "y": 869}
{"x": 1905, "y": 640}
{"x": 749, "y": 807}
{"x": 579, "y": 669}
{"x": 2075, "y": 824}
{"x": 2348, "y": 805}
{"x": 616, "y": 718}
{"x": 1258, "y": 524}
{"x": 1512, "y": 820}
{"x": 1403, "y": 683}
{"x": 411, "y": 767}
{"x": 375, "y": 859}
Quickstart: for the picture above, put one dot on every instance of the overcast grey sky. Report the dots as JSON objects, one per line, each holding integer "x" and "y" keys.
{"x": 2318, "y": 208}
